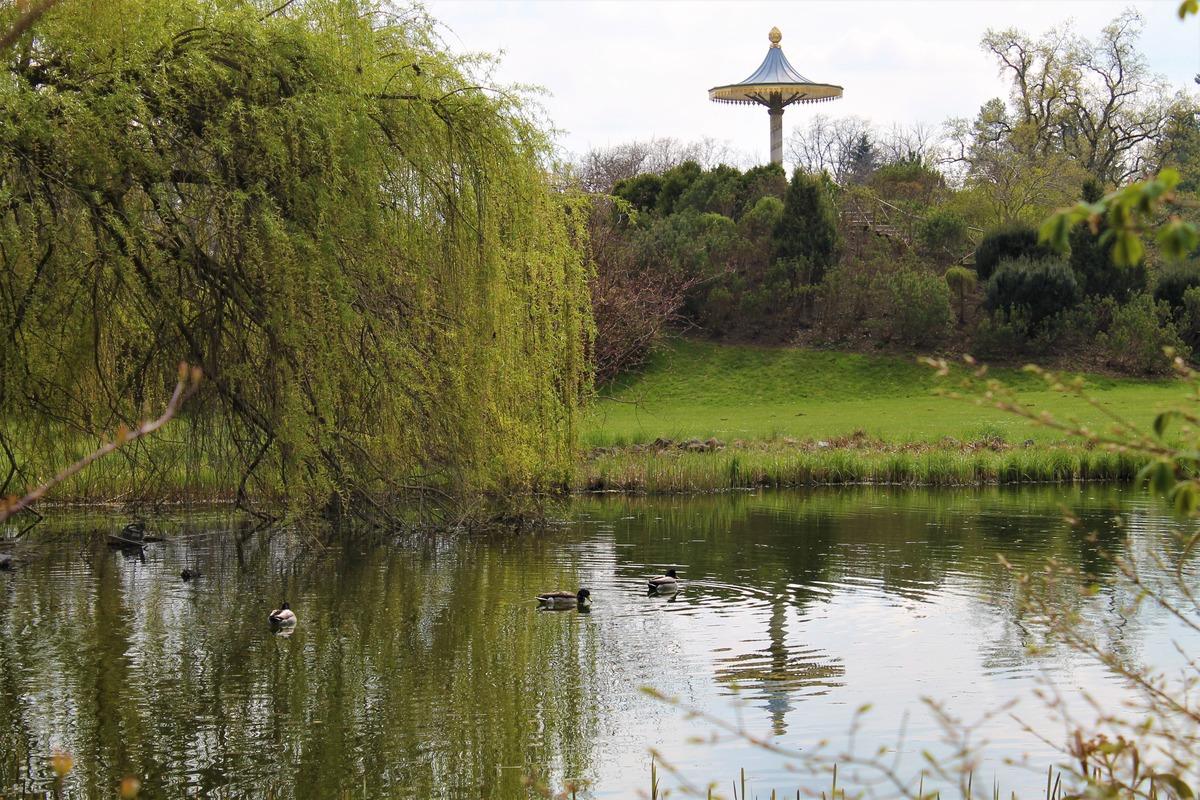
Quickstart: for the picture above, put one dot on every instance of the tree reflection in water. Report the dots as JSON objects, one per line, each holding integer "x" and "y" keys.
{"x": 422, "y": 668}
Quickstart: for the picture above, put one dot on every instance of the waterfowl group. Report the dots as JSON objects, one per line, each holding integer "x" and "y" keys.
{"x": 667, "y": 583}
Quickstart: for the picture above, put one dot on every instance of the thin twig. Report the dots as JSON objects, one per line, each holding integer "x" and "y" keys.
{"x": 24, "y": 23}
{"x": 189, "y": 381}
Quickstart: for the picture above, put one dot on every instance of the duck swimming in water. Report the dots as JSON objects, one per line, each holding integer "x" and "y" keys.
{"x": 564, "y": 599}
{"x": 282, "y": 617}
{"x": 669, "y": 581}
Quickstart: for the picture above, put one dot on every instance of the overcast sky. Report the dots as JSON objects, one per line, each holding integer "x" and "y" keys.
{"x": 617, "y": 71}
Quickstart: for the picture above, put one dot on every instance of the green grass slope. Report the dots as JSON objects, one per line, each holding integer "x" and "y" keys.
{"x": 701, "y": 389}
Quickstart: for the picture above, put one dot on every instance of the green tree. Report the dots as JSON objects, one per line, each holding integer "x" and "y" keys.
{"x": 318, "y": 207}
{"x": 960, "y": 280}
{"x": 675, "y": 182}
{"x": 1091, "y": 258}
{"x": 1038, "y": 289}
{"x": 1008, "y": 242}
{"x": 1094, "y": 101}
{"x": 640, "y": 191}
{"x": 808, "y": 228}
{"x": 864, "y": 160}
{"x": 943, "y": 235}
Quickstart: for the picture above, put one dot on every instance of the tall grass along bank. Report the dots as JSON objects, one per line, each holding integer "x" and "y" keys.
{"x": 713, "y": 466}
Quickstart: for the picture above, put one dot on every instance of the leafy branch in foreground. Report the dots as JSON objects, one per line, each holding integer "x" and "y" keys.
{"x": 189, "y": 381}
{"x": 1171, "y": 447}
{"x": 1129, "y": 213}
{"x": 24, "y": 22}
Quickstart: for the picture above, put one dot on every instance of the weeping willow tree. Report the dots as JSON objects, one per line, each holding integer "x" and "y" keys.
{"x": 316, "y": 204}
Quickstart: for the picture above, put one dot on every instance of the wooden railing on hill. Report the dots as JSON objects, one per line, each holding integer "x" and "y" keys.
{"x": 878, "y": 217}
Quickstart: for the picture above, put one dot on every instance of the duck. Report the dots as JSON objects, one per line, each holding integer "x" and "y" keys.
{"x": 564, "y": 599}
{"x": 283, "y": 617}
{"x": 668, "y": 581}
{"x": 134, "y": 531}
{"x": 189, "y": 573}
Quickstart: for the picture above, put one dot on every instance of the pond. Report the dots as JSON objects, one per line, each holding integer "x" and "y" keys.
{"x": 425, "y": 668}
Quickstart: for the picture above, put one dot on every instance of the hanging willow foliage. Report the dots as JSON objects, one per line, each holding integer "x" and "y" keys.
{"x": 314, "y": 204}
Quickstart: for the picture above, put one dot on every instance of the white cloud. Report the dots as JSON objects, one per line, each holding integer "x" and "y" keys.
{"x": 624, "y": 70}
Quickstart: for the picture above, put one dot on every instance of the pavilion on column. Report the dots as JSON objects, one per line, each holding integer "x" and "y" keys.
{"x": 775, "y": 84}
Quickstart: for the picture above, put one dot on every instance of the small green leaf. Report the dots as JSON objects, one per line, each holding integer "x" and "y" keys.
{"x": 1160, "y": 422}
{"x": 1185, "y": 498}
{"x": 1127, "y": 249}
{"x": 1055, "y": 231}
{"x": 1181, "y": 789}
{"x": 1178, "y": 238}
{"x": 1189, "y": 7}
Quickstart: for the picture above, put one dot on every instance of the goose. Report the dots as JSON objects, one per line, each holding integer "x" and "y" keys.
{"x": 283, "y": 617}
{"x": 668, "y": 581}
{"x": 564, "y": 599}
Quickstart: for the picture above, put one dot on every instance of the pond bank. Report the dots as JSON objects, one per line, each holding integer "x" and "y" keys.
{"x": 689, "y": 466}
{"x": 667, "y": 466}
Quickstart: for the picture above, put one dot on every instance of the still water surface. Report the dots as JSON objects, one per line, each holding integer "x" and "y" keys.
{"x": 424, "y": 669}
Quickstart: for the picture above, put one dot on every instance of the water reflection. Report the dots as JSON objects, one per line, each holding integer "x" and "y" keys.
{"x": 424, "y": 669}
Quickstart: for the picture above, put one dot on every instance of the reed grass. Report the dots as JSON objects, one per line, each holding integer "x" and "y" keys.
{"x": 176, "y": 465}
{"x": 1055, "y": 789}
{"x": 670, "y": 471}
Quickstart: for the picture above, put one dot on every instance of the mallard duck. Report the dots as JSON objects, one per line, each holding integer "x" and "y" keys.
{"x": 564, "y": 599}
{"x": 134, "y": 531}
{"x": 282, "y": 617}
{"x": 668, "y": 581}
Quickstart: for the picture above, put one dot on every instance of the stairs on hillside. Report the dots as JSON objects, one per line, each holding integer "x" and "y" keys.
{"x": 861, "y": 220}
{"x": 880, "y": 218}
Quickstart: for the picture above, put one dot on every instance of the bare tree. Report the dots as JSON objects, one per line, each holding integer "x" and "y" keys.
{"x": 1095, "y": 101}
{"x": 600, "y": 168}
{"x": 633, "y": 302}
{"x": 851, "y": 148}
{"x": 827, "y": 144}
{"x": 918, "y": 141}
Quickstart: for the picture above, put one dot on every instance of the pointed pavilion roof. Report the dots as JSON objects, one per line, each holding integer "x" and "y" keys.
{"x": 775, "y": 76}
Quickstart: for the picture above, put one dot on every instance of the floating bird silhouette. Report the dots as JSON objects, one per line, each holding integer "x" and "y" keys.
{"x": 668, "y": 581}
{"x": 564, "y": 599}
{"x": 282, "y": 617}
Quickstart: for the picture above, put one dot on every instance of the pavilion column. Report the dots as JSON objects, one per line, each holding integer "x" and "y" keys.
{"x": 775, "y": 110}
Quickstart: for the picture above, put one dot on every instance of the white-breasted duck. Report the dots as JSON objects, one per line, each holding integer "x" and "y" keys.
{"x": 564, "y": 599}
{"x": 283, "y": 617}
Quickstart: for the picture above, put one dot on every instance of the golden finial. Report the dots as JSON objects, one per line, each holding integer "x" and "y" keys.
{"x": 774, "y": 36}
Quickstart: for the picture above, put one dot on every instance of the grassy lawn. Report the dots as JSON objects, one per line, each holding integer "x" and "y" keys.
{"x": 700, "y": 389}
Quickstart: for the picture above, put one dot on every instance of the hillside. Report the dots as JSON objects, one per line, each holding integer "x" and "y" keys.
{"x": 702, "y": 389}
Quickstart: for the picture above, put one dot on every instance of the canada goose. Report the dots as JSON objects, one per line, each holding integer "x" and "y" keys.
{"x": 189, "y": 573}
{"x": 564, "y": 599}
{"x": 282, "y": 617}
{"x": 668, "y": 581}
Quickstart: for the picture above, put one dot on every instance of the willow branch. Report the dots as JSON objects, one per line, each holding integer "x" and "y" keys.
{"x": 24, "y": 23}
{"x": 189, "y": 381}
